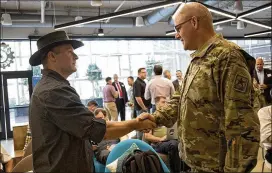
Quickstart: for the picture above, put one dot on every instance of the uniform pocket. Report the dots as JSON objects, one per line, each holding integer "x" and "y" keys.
{"x": 189, "y": 80}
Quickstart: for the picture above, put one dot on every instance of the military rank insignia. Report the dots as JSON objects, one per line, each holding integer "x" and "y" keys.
{"x": 240, "y": 83}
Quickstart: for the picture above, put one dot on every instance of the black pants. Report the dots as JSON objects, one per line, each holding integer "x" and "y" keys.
{"x": 121, "y": 108}
{"x": 170, "y": 148}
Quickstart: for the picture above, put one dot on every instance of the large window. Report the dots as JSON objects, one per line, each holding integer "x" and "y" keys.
{"x": 124, "y": 57}
{"x": 20, "y": 50}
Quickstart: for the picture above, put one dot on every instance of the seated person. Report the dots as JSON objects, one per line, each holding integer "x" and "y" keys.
{"x": 103, "y": 149}
{"x": 158, "y": 139}
{"x": 92, "y": 105}
{"x": 265, "y": 118}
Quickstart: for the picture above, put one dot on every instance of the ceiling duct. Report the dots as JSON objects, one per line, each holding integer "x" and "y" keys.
{"x": 24, "y": 21}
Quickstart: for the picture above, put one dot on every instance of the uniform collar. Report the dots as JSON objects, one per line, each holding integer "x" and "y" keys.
{"x": 202, "y": 51}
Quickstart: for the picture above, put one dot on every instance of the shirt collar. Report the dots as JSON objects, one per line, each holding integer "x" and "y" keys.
{"x": 54, "y": 74}
{"x": 259, "y": 71}
{"x": 140, "y": 79}
{"x": 202, "y": 51}
{"x": 157, "y": 76}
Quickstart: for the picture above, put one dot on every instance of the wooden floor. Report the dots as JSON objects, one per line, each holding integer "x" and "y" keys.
{"x": 8, "y": 145}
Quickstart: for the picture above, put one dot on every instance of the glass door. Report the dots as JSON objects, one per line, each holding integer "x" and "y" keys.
{"x": 17, "y": 90}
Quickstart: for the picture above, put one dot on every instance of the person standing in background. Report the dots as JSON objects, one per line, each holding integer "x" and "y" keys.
{"x": 167, "y": 74}
{"x": 109, "y": 96}
{"x": 178, "y": 82}
{"x": 140, "y": 103}
{"x": 130, "y": 81}
{"x": 158, "y": 86}
{"x": 263, "y": 77}
{"x": 122, "y": 98}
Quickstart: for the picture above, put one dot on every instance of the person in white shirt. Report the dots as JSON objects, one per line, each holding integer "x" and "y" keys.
{"x": 158, "y": 86}
{"x": 265, "y": 117}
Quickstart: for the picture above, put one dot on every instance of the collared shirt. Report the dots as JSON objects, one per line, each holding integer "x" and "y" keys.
{"x": 119, "y": 89}
{"x": 260, "y": 75}
{"x": 180, "y": 82}
{"x": 159, "y": 86}
{"x": 217, "y": 126}
{"x": 61, "y": 127}
{"x": 139, "y": 90}
{"x": 265, "y": 117}
{"x": 108, "y": 93}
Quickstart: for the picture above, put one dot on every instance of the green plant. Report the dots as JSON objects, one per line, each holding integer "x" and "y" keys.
{"x": 149, "y": 67}
{"x": 94, "y": 75}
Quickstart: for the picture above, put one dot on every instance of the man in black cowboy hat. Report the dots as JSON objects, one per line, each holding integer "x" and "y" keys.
{"x": 61, "y": 125}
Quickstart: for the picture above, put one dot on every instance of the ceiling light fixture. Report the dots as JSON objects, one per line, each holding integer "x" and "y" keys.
{"x": 217, "y": 22}
{"x": 240, "y": 25}
{"x": 96, "y": 3}
{"x": 77, "y": 18}
{"x": 254, "y": 23}
{"x": 119, "y": 14}
{"x": 6, "y": 19}
{"x": 238, "y": 6}
{"x": 258, "y": 33}
{"x": 255, "y": 10}
{"x": 100, "y": 32}
{"x": 218, "y": 28}
{"x": 139, "y": 21}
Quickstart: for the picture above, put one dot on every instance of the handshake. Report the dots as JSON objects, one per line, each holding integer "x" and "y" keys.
{"x": 145, "y": 122}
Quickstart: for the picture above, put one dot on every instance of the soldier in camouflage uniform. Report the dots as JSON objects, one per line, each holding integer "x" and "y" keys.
{"x": 218, "y": 129}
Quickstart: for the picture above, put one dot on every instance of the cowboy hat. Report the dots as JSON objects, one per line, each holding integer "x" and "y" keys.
{"x": 49, "y": 41}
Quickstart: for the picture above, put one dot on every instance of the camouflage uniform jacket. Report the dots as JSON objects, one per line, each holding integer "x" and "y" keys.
{"x": 218, "y": 129}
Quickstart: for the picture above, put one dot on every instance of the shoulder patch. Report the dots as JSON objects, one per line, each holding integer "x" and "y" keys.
{"x": 240, "y": 83}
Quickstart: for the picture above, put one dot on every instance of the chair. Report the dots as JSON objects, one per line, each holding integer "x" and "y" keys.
{"x": 28, "y": 149}
{"x": 121, "y": 147}
{"x": 25, "y": 165}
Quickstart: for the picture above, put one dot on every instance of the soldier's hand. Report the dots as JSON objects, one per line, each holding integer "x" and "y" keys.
{"x": 145, "y": 125}
{"x": 263, "y": 86}
{"x": 144, "y": 116}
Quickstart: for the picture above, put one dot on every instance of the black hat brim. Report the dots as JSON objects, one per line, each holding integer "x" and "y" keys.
{"x": 36, "y": 58}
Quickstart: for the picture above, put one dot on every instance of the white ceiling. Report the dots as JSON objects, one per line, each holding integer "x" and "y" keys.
{"x": 83, "y": 8}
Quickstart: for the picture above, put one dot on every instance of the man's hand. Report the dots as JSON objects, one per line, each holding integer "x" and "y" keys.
{"x": 144, "y": 116}
{"x": 263, "y": 86}
{"x": 163, "y": 138}
{"x": 145, "y": 125}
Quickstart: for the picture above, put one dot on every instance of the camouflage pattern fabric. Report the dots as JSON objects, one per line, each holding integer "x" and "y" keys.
{"x": 259, "y": 100}
{"x": 218, "y": 128}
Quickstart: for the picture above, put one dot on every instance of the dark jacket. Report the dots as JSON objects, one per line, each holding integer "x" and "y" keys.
{"x": 267, "y": 81}
{"x": 61, "y": 126}
{"x": 124, "y": 91}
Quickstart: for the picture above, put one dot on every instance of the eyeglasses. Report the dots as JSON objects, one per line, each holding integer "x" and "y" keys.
{"x": 177, "y": 27}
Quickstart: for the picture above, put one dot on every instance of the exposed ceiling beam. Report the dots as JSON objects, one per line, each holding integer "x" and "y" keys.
{"x": 119, "y": 14}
